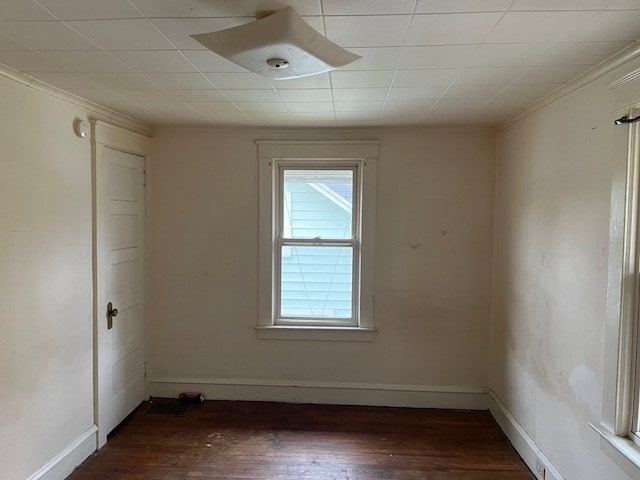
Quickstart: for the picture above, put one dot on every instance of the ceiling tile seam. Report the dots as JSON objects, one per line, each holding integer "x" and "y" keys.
{"x": 395, "y": 70}
{"x": 513, "y": 82}
{"x": 431, "y": 109}
{"x": 195, "y": 70}
{"x": 333, "y": 99}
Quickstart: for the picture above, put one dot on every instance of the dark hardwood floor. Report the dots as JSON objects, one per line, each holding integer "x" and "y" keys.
{"x": 257, "y": 440}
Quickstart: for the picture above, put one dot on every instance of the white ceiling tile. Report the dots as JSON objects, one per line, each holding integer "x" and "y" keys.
{"x": 508, "y": 54}
{"x": 314, "y": 81}
{"x": 508, "y": 104}
{"x": 83, "y": 62}
{"x": 252, "y": 95}
{"x": 46, "y": 36}
{"x": 550, "y": 74}
{"x": 183, "y": 8}
{"x": 23, "y": 10}
{"x": 155, "y": 61}
{"x": 179, "y": 81}
{"x": 127, "y": 34}
{"x": 98, "y": 96}
{"x": 179, "y": 29}
{"x": 472, "y": 92}
{"x": 513, "y": 92}
{"x": 610, "y": 26}
{"x": 29, "y": 61}
{"x": 155, "y": 95}
{"x": 7, "y": 45}
{"x": 530, "y": 27}
{"x": 399, "y": 119}
{"x": 532, "y": 5}
{"x": 306, "y": 95}
{"x": 580, "y": 53}
{"x": 489, "y": 76}
{"x": 359, "y": 94}
{"x": 372, "y": 107}
{"x": 239, "y": 81}
{"x": 66, "y": 80}
{"x": 461, "y": 6}
{"x": 451, "y": 28}
{"x": 208, "y": 61}
{"x": 407, "y": 107}
{"x": 367, "y": 7}
{"x": 441, "y": 56}
{"x": 425, "y": 78}
{"x": 219, "y": 111}
{"x": 310, "y": 107}
{"x": 268, "y": 107}
{"x": 451, "y": 105}
{"x": 91, "y": 9}
{"x": 416, "y": 93}
{"x": 175, "y": 113}
{"x": 272, "y": 118}
{"x": 128, "y": 108}
{"x": 367, "y": 31}
{"x": 375, "y": 58}
{"x": 120, "y": 80}
{"x": 200, "y": 96}
{"x": 361, "y": 79}
{"x": 251, "y": 7}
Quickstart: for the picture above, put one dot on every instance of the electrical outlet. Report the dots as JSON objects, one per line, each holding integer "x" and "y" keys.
{"x": 540, "y": 469}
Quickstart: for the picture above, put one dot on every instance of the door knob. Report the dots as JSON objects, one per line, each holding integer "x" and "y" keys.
{"x": 111, "y": 313}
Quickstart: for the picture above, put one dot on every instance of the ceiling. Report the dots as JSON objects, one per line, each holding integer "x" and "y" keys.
{"x": 425, "y": 62}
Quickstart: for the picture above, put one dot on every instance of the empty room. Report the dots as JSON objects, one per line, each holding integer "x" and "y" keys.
{"x": 320, "y": 239}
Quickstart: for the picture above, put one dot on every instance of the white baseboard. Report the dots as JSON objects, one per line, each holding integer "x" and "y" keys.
{"x": 415, "y": 396}
{"x": 520, "y": 439}
{"x": 61, "y": 466}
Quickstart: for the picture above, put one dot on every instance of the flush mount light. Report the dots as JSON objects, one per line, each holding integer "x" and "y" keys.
{"x": 279, "y": 46}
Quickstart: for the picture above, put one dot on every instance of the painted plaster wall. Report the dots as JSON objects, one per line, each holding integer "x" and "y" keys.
{"x": 552, "y": 215}
{"x": 433, "y": 262}
{"x": 46, "y": 362}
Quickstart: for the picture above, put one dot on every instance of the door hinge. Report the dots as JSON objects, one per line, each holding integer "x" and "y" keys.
{"x": 144, "y": 178}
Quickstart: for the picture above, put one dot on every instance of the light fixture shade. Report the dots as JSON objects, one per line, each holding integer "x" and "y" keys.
{"x": 280, "y": 36}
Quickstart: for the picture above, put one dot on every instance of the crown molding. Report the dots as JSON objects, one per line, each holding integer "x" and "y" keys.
{"x": 97, "y": 111}
{"x": 607, "y": 66}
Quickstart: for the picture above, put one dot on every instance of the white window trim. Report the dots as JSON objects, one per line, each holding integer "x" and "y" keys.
{"x": 621, "y": 324}
{"x": 269, "y": 151}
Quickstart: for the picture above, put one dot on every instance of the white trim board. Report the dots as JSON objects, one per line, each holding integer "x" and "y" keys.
{"x": 336, "y": 393}
{"x": 520, "y": 439}
{"x": 65, "y": 462}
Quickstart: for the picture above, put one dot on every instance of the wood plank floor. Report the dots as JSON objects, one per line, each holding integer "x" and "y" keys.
{"x": 258, "y": 440}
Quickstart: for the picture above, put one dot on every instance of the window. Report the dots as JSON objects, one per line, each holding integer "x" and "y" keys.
{"x": 317, "y": 204}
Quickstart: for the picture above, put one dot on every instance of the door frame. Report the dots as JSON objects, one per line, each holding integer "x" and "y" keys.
{"x": 105, "y": 135}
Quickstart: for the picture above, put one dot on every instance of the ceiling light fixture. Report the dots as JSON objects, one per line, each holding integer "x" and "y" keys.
{"x": 279, "y": 46}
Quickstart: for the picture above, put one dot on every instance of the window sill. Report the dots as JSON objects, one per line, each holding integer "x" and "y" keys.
{"x": 332, "y": 334}
{"x": 621, "y": 450}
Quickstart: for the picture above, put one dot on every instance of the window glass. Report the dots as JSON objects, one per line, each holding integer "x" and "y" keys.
{"x": 316, "y": 281}
{"x": 318, "y": 204}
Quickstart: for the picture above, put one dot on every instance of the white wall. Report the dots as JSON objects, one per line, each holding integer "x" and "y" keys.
{"x": 46, "y": 396}
{"x": 551, "y": 271}
{"x": 433, "y": 263}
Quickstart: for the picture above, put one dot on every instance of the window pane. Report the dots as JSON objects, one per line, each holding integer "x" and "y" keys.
{"x": 317, "y": 203}
{"x": 316, "y": 282}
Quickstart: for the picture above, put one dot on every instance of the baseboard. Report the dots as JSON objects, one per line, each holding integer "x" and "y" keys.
{"x": 415, "y": 396}
{"x": 61, "y": 466}
{"x": 520, "y": 439}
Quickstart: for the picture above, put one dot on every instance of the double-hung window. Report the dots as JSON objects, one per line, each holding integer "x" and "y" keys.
{"x": 317, "y": 203}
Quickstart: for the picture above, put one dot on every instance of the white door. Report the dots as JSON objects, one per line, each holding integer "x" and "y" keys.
{"x": 120, "y": 256}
